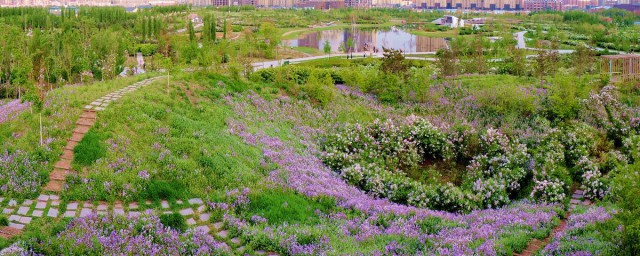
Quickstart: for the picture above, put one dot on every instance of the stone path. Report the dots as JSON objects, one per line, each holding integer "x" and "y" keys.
{"x": 194, "y": 210}
{"x": 21, "y": 214}
{"x": 535, "y": 245}
{"x": 88, "y": 117}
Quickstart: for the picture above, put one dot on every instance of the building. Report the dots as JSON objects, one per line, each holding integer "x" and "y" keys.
{"x": 194, "y": 18}
{"x": 541, "y": 5}
{"x": 629, "y": 7}
{"x": 321, "y": 5}
{"x": 449, "y": 21}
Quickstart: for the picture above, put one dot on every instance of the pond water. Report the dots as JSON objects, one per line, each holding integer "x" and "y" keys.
{"x": 368, "y": 39}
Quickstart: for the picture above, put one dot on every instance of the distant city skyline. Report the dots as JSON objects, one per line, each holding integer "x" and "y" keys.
{"x": 328, "y": 4}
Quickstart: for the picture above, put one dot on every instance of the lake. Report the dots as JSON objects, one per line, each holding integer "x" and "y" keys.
{"x": 367, "y": 39}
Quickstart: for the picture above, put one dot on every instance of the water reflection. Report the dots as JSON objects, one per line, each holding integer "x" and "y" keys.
{"x": 369, "y": 39}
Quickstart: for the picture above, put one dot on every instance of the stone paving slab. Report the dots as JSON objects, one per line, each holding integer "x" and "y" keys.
{"x": 16, "y": 225}
{"x": 223, "y": 234}
{"x": 41, "y": 205}
{"x": 25, "y": 220}
{"x": 195, "y": 201}
{"x": 37, "y": 213}
{"x": 7, "y": 211}
{"x": 85, "y": 212}
{"x": 53, "y": 212}
{"x": 72, "y": 206}
{"x": 23, "y": 210}
{"x": 185, "y": 212}
{"x": 191, "y": 221}
{"x": 203, "y": 228}
{"x": 70, "y": 214}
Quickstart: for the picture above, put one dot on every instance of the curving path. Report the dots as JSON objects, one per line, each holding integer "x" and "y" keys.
{"x": 48, "y": 204}
{"x": 88, "y": 117}
{"x": 535, "y": 245}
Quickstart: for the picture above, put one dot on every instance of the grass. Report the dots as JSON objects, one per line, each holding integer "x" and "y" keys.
{"x": 89, "y": 149}
{"x": 279, "y": 206}
{"x": 308, "y": 50}
{"x": 180, "y": 139}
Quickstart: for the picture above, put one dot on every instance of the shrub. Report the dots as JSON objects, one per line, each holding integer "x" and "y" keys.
{"x": 279, "y": 206}
{"x": 4, "y": 221}
{"x": 160, "y": 189}
{"x": 549, "y": 191}
{"x": 89, "y": 149}
{"x": 320, "y": 88}
{"x": 174, "y": 220}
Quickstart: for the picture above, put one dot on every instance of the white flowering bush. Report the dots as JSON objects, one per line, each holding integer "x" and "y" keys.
{"x": 583, "y": 165}
{"x": 631, "y": 148}
{"x": 595, "y": 185}
{"x": 548, "y": 190}
{"x": 491, "y": 192}
{"x": 579, "y": 140}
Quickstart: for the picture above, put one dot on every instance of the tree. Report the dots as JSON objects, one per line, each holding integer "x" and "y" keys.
{"x": 446, "y": 62}
{"x": 545, "y": 64}
{"x": 327, "y": 47}
{"x": 192, "y": 31}
{"x": 393, "y": 62}
{"x": 583, "y": 59}
{"x": 518, "y": 61}
{"x": 209, "y": 29}
{"x": 350, "y": 45}
{"x": 224, "y": 30}
{"x": 479, "y": 62}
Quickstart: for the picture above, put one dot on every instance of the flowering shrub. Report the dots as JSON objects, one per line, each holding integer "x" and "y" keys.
{"x": 550, "y": 191}
{"x": 631, "y": 148}
{"x": 376, "y": 157}
{"x": 578, "y": 141}
{"x": 595, "y": 185}
{"x": 115, "y": 235}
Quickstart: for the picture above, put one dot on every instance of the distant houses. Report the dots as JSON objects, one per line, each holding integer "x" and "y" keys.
{"x": 194, "y": 18}
{"x": 449, "y": 21}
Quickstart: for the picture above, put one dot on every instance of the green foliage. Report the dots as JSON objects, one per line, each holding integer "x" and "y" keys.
{"x": 319, "y": 87}
{"x": 4, "y": 221}
{"x": 564, "y": 98}
{"x": 393, "y": 62}
{"x": 174, "y": 220}
{"x": 89, "y": 149}
{"x": 279, "y": 206}
{"x": 159, "y": 189}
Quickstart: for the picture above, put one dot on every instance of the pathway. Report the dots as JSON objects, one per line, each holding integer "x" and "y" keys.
{"x": 521, "y": 44}
{"x": 49, "y": 204}
{"x": 88, "y": 117}
{"x": 535, "y": 245}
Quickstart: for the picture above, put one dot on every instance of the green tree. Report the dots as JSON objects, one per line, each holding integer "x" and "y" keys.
{"x": 446, "y": 62}
{"x": 393, "y": 62}
{"x": 192, "y": 32}
{"x": 583, "y": 59}
{"x": 545, "y": 64}
{"x": 224, "y": 30}
{"x": 327, "y": 47}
